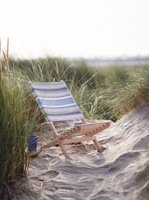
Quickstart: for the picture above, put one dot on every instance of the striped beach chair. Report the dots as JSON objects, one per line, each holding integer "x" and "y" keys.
{"x": 57, "y": 104}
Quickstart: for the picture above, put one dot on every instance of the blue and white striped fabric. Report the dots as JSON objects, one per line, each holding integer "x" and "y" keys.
{"x": 55, "y": 101}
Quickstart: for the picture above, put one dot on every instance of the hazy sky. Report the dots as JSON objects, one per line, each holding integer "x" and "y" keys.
{"x": 75, "y": 28}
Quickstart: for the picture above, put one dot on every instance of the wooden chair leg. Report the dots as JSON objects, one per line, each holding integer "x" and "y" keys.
{"x": 63, "y": 149}
{"x": 59, "y": 141}
{"x": 97, "y": 145}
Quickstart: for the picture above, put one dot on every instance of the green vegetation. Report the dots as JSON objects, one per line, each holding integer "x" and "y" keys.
{"x": 101, "y": 93}
{"x": 16, "y": 123}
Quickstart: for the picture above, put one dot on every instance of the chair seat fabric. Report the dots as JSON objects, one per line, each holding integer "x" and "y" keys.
{"x": 55, "y": 101}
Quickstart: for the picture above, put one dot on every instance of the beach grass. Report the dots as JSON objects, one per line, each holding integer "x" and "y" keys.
{"x": 101, "y": 93}
{"x": 16, "y": 124}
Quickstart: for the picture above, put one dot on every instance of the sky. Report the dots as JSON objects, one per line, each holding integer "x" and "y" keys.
{"x": 75, "y": 28}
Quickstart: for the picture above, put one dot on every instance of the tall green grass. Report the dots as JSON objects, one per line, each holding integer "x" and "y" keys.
{"x": 15, "y": 124}
{"x": 100, "y": 92}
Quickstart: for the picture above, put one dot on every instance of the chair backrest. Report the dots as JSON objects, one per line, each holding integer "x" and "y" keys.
{"x": 55, "y": 101}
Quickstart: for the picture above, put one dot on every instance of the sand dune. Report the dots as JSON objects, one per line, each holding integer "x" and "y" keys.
{"x": 121, "y": 172}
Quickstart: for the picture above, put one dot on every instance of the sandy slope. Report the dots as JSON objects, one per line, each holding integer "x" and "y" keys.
{"x": 121, "y": 172}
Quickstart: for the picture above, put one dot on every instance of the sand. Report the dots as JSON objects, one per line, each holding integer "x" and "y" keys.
{"x": 121, "y": 172}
